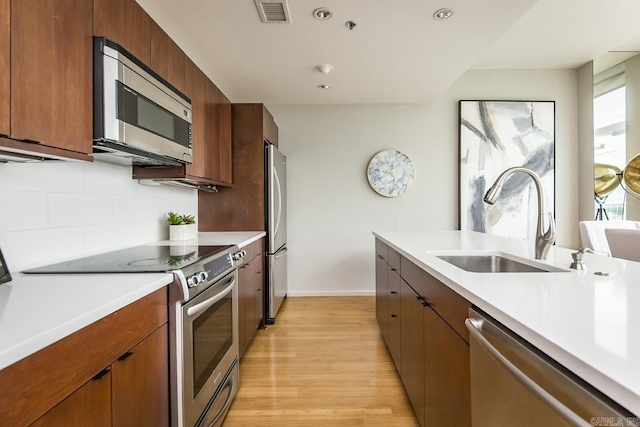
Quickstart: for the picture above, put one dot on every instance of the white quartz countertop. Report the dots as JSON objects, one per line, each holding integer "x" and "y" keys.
{"x": 589, "y": 323}
{"x": 38, "y": 310}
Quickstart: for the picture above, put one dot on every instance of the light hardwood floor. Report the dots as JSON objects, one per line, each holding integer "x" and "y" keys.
{"x": 324, "y": 363}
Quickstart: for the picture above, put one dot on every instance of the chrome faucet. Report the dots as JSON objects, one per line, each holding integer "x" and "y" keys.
{"x": 544, "y": 239}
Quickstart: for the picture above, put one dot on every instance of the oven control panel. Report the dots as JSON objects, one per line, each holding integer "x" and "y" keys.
{"x": 211, "y": 270}
{"x": 196, "y": 279}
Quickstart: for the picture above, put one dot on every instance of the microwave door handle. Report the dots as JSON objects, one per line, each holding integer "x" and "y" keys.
{"x": 200, "y": 307}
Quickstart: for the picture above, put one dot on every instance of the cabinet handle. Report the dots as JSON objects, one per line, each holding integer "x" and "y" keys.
{"x": 380, "y": 257}
{"x": 394, "y": 293}
{"x": 393, "y": 315}
{"x": 426, "y": 303}
{"x": 101, "y": 374}
{"x": 125, "y": 356}
{"x": 393, "y": 269}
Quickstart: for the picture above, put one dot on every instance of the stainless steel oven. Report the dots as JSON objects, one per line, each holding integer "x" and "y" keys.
{"x": 204, "y": 341}
{"x": 203, "y": 313}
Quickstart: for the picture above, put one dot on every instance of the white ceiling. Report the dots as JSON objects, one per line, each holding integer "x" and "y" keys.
{"x": 397, "y": 53}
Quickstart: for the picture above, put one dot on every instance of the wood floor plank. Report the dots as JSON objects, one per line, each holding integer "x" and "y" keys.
{"x": 323, "y": 363}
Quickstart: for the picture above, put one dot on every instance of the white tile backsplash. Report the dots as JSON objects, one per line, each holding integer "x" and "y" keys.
{"x": 32, "y": 214}
{"x": 52, "y": 212}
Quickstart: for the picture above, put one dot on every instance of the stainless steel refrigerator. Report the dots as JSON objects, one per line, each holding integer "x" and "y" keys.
{"x": 276, "y": 194}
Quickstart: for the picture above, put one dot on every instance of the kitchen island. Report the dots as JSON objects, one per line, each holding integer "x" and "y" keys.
{"x": 587, "y": 322}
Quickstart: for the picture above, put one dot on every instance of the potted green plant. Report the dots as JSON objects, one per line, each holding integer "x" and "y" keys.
{"x": 181, "y": 227}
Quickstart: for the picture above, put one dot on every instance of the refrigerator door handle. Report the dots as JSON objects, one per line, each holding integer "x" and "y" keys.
{"x": 281, "y": 253}
{"x": 279, "y": 189}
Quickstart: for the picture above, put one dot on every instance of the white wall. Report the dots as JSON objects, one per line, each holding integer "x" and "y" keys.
{"x": 51, "y": 212}
{"x": 332, "y": 210}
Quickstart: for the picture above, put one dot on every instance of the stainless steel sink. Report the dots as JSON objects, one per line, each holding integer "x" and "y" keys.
{"x": 494, "y": 263}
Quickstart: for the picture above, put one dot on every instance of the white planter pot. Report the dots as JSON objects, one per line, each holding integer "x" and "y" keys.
{"x": 182, "y": 249}
{"x": 183, "y": 232}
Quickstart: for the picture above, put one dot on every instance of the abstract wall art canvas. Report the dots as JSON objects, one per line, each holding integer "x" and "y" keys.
{"x": 494, "y": 136}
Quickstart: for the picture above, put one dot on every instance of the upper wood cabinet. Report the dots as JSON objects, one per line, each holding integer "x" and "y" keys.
{"x": 51, "y": 73}
{"x": 224, "y": 140}
{"x": 211, "y": 137}
{"x": 195, "y": 90}
{"x": 219, "y": 211}
{"x": 167, "y": 59}
{"x": 5, "y": 68}
{"x": 126, "y": 23}
{"x": 212, "y": 133}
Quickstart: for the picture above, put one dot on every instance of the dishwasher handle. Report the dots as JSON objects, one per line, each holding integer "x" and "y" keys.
{"x": 474, "y": 326}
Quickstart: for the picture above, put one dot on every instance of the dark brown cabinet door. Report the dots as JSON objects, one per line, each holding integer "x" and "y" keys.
{"x": 212, "y": 133}
{"x": 258, "y": 282}
{"x": 90, "y": 405}
{"x": 447, "y": 374}
{"x": 5, "y": 68}
{"x": 382, "y": 296}
{"x": 219, "y": 211}
{"x": 395, "y": 320}
{"x": 126, "y": 23}
{"x": 51, "y": 73}
{"x": 412, "y": 348}
{"x": 224, "y": 140}
{"x": 244, "y": 283}
{"x": 140, "y": 383}
{"x": 167, "y": 59}
{"x": 195, "y": 89}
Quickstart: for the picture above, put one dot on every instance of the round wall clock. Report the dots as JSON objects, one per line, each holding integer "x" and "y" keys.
{"x": 390, "y": 173}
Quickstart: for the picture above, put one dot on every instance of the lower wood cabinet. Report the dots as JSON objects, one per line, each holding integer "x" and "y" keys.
{"x": 90, "y": 405}
{"x": 251, "y": 295}
{"x": 140, "y": 384}
{"x": 426, "y": 338}
{"x": 447, "y": 392}
{"x": 395, "y": 324}
{"x": 382, "y": 296}
{"x": 412, "y": 344}
{"x": 113, "y": 372}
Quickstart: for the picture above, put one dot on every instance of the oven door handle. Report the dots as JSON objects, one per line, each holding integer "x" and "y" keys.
{"x": 200, "y": 307}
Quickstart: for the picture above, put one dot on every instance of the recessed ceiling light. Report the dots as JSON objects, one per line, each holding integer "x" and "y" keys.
{"x": 443, "y": 14}
{"x": 323, "y": 13}
{"x": 324, "y": 87}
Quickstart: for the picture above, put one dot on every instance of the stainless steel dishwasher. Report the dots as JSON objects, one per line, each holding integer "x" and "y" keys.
{"x": 513, "y": 383}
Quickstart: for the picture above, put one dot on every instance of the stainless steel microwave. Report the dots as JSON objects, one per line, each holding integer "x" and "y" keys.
{"x": 139, "y": 118}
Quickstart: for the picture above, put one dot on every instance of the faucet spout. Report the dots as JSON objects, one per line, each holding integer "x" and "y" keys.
{"x": 544, "y": 239}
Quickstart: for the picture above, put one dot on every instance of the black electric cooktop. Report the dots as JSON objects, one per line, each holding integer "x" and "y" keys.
{"x": 139, "y": 259}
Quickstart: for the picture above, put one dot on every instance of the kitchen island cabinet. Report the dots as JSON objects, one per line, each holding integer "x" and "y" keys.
{"x": 433, "y": 356}
{"x": 88, "y": 373}
{"x": 538, "y": 307}
{"x": 51, "y": 86}
{"x": 412, "y": 344}
{"x": 388, "y": 303}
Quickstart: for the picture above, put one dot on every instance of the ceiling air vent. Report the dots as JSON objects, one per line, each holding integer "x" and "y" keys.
{"x": 273, "y": 11}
